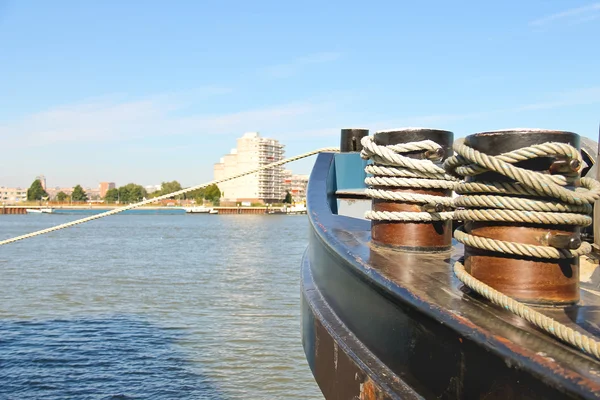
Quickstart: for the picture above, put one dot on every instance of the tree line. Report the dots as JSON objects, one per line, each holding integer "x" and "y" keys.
{"x": 130, "y": 193}
{"x": 36, "y": 192}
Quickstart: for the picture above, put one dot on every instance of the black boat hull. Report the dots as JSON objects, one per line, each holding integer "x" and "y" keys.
{"x": 375, "y": 327}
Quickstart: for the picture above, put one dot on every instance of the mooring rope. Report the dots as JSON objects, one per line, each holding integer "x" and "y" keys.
{"x": 393, "y": 168}
{"x": 166, "y": 196}
{"x": 568, "y": 335}
{"x": 558, "y": 205}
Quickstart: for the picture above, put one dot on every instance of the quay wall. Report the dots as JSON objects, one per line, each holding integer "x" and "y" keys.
{"x": 13, "y": 210}
{"x": 248, "y": 210}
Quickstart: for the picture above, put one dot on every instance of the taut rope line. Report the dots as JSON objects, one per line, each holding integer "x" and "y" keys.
{"x": 558, "y": 205}
{"x": 166, "y": 196}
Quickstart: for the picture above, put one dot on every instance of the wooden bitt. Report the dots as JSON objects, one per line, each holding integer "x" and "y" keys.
{"x": 412, "y": 236}
{"x": 533, "y": 281}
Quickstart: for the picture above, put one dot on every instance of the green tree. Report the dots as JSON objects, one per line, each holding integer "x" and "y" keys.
{"x": 79, "y": 194}
{"x": 131, "y": 193}
{"x": 112, "y": 195}
{"x": 197, "y": 195}
{"x": 288, "y": 197}
{"x": 170, "y": 187}
{"x": 61, "y": 196}
{"x": 212, "y": 194}
{"x": 36, "y": 191}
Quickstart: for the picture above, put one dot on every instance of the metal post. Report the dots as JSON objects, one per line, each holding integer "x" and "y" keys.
{"x": 534, "y": 281}
{"x": 413, "y": 236}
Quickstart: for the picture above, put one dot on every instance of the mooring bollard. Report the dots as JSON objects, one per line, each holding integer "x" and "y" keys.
{"x": 350, "y": 139}
{"x": 513, "y": 218}
{"x": 401, "y": 219}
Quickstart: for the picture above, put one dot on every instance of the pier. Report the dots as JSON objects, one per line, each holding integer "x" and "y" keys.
{"x": 14, "y": 210}
{"x": 249, "y": 210}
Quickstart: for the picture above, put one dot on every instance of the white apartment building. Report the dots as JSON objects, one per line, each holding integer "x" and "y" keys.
{"x": 252, "y": 151}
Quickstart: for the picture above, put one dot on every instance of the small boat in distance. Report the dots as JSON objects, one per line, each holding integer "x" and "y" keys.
{"x": 296, "y": 209}
{"x": 47, "y": 210}
{"x": 198, "y": 210}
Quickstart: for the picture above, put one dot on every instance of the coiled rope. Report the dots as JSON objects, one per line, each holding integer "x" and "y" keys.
{"x": 392, "y": 168}
{"x": 558, "y": 205}
{"x": 568, "y": 335}
{"x": 166, "y": 196}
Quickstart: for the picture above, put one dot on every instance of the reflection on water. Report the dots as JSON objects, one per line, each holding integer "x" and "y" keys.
{"x": 118, "y": 357}
{"x": 139, "y": 306}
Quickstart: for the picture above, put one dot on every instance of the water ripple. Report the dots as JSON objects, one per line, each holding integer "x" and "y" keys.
{"x": 153, "y": 306}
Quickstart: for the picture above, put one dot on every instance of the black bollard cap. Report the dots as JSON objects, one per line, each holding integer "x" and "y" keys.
{"x": 350, "y": 139}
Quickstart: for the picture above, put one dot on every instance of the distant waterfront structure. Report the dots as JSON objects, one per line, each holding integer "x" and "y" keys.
{"x": 105, "y": 187}
{"x": 42, "y": 180}
{"x": 53, "y": 192}
{"x": 92, "y": 193}
{"x": 152, "y": 188}
{"x": 252, "y": 151}
{"x": 299, "y": 184}
{"x": 296, "y": 185}
{"x": 10, "y": 195}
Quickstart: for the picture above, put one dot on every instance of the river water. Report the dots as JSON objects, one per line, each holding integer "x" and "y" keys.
{"x": 153, "y": 306}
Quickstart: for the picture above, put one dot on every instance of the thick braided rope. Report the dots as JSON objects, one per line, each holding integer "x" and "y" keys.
{"x": 538, "y": 150}
{"x": 384, "y": 170}
{"x": 541, "y": 184}
{"x": 530, "y": 217}
{"x": 519, "y": 203}
{"x": 166, "y": 196}
{"x": 409, "y": 197}
{"x": 394, "y": 169}
{"x": 391, "y": 155}
{"x": 409, "y": 216}
{"x": 565, "y": 207}
{"x": 568, "y": 335}
{"x": 526, "y": 250}
{"x": 558, "y": 206}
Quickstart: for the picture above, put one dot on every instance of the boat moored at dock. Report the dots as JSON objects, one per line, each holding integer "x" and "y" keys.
{"x": 296, "y": 209}
{"x": 399, "y": 303}
{"x": 198, "y": 210}
{"x": 43, "y": 210}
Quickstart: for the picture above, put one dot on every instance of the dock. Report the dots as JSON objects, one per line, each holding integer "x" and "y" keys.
{"x": 14, "y": 210}
{"x": 249, "y": 210}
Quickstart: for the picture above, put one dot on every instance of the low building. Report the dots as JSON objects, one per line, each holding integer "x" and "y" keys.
{"x": 153, "y": 188}
{"x": 10, "y": 195}
{"x": 92, "y": 193}
{"x": 105, "y": 187}
{"x": 298, "y": 186}
{"x": 53, "y": 192}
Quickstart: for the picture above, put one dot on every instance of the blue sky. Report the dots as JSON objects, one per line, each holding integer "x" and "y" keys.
{"x": 149, "y": 91}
